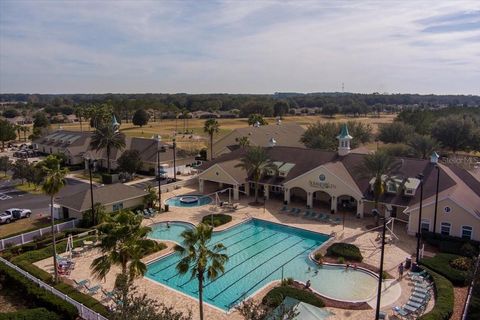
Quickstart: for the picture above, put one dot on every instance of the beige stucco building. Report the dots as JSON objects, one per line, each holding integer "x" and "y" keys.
{"x": 328, "y": 182}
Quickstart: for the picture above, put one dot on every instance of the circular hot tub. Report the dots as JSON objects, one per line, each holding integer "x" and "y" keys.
{"x": 189, "y": 199}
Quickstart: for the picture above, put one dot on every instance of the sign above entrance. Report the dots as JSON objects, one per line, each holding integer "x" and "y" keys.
{"x": 322, "y": 185}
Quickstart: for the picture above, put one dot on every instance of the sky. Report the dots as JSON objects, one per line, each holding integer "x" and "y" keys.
{"x": 408, "y": 46}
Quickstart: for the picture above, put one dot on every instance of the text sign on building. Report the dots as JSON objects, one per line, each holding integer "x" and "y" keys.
{"x": 322, "y": 184}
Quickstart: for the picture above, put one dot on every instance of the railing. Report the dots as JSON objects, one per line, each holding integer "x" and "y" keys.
{"x": 30, "y": 236}
{"x": 83, "y": 311}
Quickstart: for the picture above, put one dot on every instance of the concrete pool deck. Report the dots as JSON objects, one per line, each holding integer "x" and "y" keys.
{"x": 354, "y": 232}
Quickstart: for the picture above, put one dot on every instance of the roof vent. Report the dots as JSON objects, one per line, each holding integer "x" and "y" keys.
{"x": 272, "y": 142}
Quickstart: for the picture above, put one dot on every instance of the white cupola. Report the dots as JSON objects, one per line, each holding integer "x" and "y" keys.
{"x": 434, "y": 157}
{"x": 344, "y": 141}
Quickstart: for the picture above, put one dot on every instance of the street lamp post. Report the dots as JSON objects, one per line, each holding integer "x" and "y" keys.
{"x": 436, "y": 201}
{"x": 380, "y": 276}
{"x": 159, "y": 139}
{"x": 90, "y": 167}
{"x": 174, "y": 158}
{"x": 419, "y": 230}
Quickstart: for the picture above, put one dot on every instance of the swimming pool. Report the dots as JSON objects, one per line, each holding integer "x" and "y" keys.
{"x": 259, "y": 253}
{"x": 172, "y": 233}
{"x": 189, "y": 201}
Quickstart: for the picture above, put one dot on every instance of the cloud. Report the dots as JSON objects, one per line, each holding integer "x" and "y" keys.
{"x": 239, "y": 46}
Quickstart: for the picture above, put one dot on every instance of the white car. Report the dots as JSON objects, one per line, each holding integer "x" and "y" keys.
{"x": 6, "y": 217}
{"x": 19, "y": 213}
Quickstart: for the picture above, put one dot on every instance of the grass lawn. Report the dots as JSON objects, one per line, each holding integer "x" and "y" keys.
{"x": 96, "y": 177}
{"x": 5, "y": 177}
{"x": 30, "y": 188}
{"x": 23, "y": 225}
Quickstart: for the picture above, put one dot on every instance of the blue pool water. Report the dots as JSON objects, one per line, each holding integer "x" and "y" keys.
{"x": 259, "y": 252}
{"x": 172, "y": 233}
{"x": 202, "y": 200}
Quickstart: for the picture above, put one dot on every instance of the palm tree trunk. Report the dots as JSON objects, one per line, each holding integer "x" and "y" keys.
{"x": 80, "y": 120}
{"x": 256, "y": 190}
{"x": 211, "y": 146}
{"x": 54, "y": 241}
{"x": 108, "y": 159}
{"x": 200, "y": 294}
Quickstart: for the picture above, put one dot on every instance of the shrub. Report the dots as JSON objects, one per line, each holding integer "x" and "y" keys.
{"x": 444, "y": 299}
{"x": 218, "y": 219}
{"x": 450, "y": 244}
{"x": 287, "y": 282}
{"x": 30, "y": 314}
{"x": 341, "y": 260}
{"x": 107, "y": 178}
{"x": 462, "y": 263}
{"x": 275, "y": 296}
{"x": 441, "y": 264}
{"x": 318, "y": 256}
{"x": 346, "y": 250}
{"x": 84, "y": 299}
{"x": 39, "y": 296}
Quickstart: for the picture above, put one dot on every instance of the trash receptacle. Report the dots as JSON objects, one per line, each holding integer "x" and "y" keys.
{"x": 408, "y": 262}
{"x": 166, "y": 207}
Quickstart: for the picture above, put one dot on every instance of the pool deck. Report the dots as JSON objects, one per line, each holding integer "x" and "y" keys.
{"x": 354, "y": 232}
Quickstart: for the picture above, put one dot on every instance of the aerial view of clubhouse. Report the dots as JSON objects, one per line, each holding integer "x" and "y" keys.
{"x": 259, "y": 221}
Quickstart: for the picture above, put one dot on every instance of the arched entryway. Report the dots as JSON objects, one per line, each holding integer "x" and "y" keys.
{"x": 298, "y": 196}
{"x": 322, "y": 200}
{"x": 347, "y": 203}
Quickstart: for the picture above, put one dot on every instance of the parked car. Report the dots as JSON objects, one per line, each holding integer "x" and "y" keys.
{"x": 19, "y": 213}
{"x": 6, "y": 217}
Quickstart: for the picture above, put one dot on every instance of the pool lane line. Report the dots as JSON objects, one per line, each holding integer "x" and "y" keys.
{"x": 276, "y": 233}
{"x": 246, "y": 292}
{"x": 256, "y": 267}
{"x": 254, "y": 234}
{"x": 176, "y": 261}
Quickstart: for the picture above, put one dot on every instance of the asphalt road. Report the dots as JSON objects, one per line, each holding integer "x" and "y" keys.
{"x": 11, "y": 198}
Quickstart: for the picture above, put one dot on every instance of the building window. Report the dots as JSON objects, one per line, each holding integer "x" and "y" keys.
{"x": 409, "y": 192}
{"x": 445, "y": 228}
{"x": 117, "y": 206}
{"x": 391, "y": 187}
{"x": 425, "y": 225}
{"x": 467, "y": 232}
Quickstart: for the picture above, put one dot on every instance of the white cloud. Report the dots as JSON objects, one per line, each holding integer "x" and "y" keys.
{"x": 236, "y": 46}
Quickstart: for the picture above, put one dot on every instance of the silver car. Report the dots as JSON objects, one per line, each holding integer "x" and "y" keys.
{"x": 19, "y": 213}
{"x": 6, "y": 217}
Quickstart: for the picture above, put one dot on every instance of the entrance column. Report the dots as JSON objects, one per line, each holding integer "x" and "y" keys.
{"x": 201, "y": 184}
{"x": 333, "y": 206}
{"x": 266, "y": 190}
{"x": 286, "y": 195}
{"x": 309, "y": 200}
{"x": 360, "y": 208}
{"x": 247, "y": 188}
{"x": 235, "y": 192}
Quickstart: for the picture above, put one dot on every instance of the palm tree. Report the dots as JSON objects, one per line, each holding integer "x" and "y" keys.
{"x": 18, "y": 128}
{"x": 243, "y": 142}
{"x": 107, "y": 138}
{"x": 123, "y": 243}
{"x": 422, "y": 145}
{"x": 256, "y": 162}
{"x": 25, "y": 129}
{"x": 54, "y": 182}
{"x": 80, "y": 113}
{"x": 200, "y": 258}
{"x": 211, "y": 127}
{"x": 382, "y": 167}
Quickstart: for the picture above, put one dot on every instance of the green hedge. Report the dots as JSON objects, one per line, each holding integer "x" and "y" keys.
{"x": 84, "y": 299}
{"x": 450, "y": 244}
{"x": 345, "y": 250}
{"x": 275, "y": 296}
{"x": 218, "y": 219}
{"x": 441, "y": 264}
{"x": 30, "y": 314}
{"x": 41, "y": 297}
{"x": 444, "y": 299}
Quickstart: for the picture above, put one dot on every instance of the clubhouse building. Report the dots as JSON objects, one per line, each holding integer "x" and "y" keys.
{"x": 333, "y": 181}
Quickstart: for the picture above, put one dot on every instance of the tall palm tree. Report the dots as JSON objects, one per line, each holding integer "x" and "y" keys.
{"x": 25, "y": 130}
{"x": 18, "y": 128}
{"x": 199, "y": 258}
{"x": 382, "y": 167}
{"x": 256, "y": 162}
{"x": 422, "y": 145}
{"x": 80, "y": 114}
{"x": 211, "y": 127}
{"x": 54, "y": 182}
{"x": 123, "y": 243}
{"x": 243, "y": 142}
{"x": 107, "y": 138}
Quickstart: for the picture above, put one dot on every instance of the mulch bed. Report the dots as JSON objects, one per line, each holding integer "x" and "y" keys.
{"x": 460, "y": 295}
{"x": 334, "y": 303}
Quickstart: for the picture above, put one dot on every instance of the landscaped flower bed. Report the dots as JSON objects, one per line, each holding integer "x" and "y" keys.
{"x": 345, "y": 250}
{"x": 218, "y": 219}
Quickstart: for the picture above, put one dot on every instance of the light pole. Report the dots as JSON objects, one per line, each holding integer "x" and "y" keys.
{"x": 174, "y": 157}
{"x": 419, "y": 230}
{"x": 90, "y": 167}
{"x": 159, "y": 140}
{"x": 436, "y": 201}
{"x": 380, "y": 276}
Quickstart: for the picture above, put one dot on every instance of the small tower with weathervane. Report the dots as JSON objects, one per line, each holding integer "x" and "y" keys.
{"x": 115, "y": 124}
{"x": 344, "y": 141}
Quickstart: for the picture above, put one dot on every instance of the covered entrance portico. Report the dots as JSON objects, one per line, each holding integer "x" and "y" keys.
{"x": 220, "y": 178}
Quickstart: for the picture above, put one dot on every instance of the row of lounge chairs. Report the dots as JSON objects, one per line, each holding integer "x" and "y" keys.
{"x": 311, "y": 215}
{"x": 147, "y": 213}
{"x": 84, "y": 285}
{"x": 418, "y": 300}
